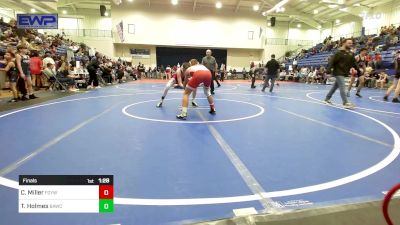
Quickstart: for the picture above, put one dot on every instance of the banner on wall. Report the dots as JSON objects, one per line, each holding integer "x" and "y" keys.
{"x": 140, "y": 53}
{"x": 37, "y": 21}
{"x": 120, "y": 30}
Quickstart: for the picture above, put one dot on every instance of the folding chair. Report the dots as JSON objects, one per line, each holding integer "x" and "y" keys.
{"x": 54, "y": 83}
{"x": 100, "y": 78}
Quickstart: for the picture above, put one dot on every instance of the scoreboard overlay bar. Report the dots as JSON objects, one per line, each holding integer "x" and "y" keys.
{"x": 66, "y": 194}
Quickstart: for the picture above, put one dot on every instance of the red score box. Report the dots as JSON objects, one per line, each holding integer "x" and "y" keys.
{"x": 106, "y": 192}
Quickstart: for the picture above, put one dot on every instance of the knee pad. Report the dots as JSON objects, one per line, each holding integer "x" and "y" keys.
{"x": 170, "y": 84}
{"x": 207, "y": 91}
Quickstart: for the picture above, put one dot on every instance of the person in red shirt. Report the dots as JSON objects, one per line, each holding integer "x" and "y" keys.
{"x": 36, "y": 69}
{"x": 378, "y": 61}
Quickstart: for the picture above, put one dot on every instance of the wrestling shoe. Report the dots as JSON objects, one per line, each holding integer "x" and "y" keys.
{"x": 181, "y": 116}
{"x": 194, "y": 104}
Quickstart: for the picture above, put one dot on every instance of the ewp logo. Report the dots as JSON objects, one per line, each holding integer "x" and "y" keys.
{"x": 37, "y": 21}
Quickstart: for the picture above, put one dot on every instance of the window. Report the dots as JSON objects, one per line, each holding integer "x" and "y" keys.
{"x": 131, "y": 28}
{"x": 250, "y": 35}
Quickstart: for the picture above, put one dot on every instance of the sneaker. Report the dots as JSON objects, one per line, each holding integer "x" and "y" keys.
{"x": 262, "y": 90}
{"x": 13, "y": 100}
{"x": 181, "y": 116}
{"x": 194, "y": 104}
{"x": 212, "y": 111}
{"x": 219, "y": 85}
{"x": 348, "y": 94}
{"x": 212, "y": 93}
{"x": 159, "y": 105}
{"x": 348, "y": 106}
{"x": 89, "y": 87}
{"x": 385, "y": 98}
{"x": 32, "y": 96}
{"x": 327, "y": 101}
{"x": 24, "y": 98}
{"x": 396, "y": 100}
{"x": 358, "y": 95}
{"x": 98, "y": 87}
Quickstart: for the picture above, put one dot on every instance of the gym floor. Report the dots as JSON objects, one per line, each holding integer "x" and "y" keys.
{"x": 270, "y": 151}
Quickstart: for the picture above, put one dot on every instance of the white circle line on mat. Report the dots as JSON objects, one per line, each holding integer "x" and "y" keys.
{"x": 376, "y": 100}
{"x": 261, "y": 111}
{"x": 366, "y": 109}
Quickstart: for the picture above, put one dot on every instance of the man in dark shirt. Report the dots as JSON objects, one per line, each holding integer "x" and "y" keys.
{"x": 211, "y": 64}
{"x": 340, "y": 65}
{"x": 92, "y": 69}
{"x": 141, "y": 70}
{"x": 272, "y": 68}
{"x": 396, "y": 84}
{"x": 106, "y": 69}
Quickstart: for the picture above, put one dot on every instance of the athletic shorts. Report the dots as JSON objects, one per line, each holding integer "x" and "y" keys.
{"x": 200, "y": 77}
{"x": 13, "y": 77}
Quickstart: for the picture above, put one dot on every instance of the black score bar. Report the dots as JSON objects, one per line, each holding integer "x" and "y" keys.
{"x": 66, "y": 179}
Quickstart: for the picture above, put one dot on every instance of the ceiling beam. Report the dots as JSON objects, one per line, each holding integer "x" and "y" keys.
{"x": 74, "y": 8}
{"x": 262, "y": 6}
{"x": 265, "y": 3}
{"x": 29, "y": 4}
{"x": 15, "y": 7}
{"x": 194, "y": 5}
{"x": 310, "y": 7}
{"x": 295, "y": 14}
{"x": 237, "y": 5}
{"x": 49, "y": 6}
{"x": 117, "y": 2}
{"x": 64, "y": 4}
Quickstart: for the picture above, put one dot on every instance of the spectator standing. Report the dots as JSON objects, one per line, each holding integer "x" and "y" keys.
{"x": 339, "y": 66}
{"x": 23, "y": 65}
{"x": 294, "y": 64}
{"x": 396, "y": 84}
{"x": 92, "y": 68}
{"x": 272, "y": 68}
{"x": 12, "y": 74}
{"x": 222, "y": 70}
{"x": 92, "y": 52}
{"x": 36, "y": 70}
